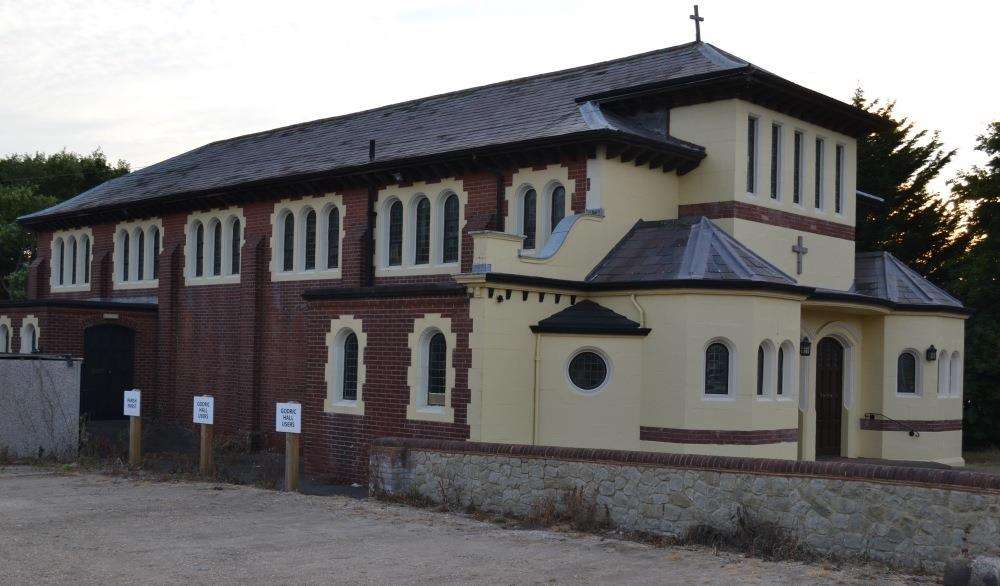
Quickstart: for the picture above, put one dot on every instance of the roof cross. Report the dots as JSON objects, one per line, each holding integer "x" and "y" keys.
{"x": 799, "y": 251}
{"x": 697, "y": 23}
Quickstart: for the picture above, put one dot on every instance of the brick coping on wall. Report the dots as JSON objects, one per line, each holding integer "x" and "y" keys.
{"x": 836, "y": 470}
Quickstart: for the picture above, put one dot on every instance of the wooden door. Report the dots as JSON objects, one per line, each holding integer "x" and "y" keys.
{"x": 107, "y": 372}
{"x": 829, "y": 396}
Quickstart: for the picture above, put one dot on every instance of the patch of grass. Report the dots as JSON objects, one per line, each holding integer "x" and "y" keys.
{"x": 750, "y": 536}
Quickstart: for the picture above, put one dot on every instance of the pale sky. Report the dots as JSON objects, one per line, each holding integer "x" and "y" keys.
{"x": 148, "y": 80}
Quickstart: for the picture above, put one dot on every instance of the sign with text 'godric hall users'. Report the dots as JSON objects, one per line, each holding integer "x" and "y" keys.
{"x": 204, "y": 410}
{"x": 288, "y": 418}
{"x": 133, "y": 402}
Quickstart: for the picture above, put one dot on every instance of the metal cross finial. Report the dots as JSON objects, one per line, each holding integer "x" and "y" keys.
{"x": 799, "y": 251}
{"x": 697, "y": 23}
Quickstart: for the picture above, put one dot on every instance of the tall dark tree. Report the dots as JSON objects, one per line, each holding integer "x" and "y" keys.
{"x": 917, "y": 225}
{"x": 29, "y": 183}
{"x": 979, "y": 285}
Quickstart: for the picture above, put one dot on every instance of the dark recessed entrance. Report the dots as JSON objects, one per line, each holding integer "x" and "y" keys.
{"x": 108, "y": 358}
{"x": 829, "y": 396}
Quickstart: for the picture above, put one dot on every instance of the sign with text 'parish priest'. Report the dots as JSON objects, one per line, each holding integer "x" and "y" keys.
{"x": 204, "y": 410}
{"x": 288, "y": 418}
{"x": 133, "y": 402}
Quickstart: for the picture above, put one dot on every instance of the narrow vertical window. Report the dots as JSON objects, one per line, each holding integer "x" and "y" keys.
{"x": 234, "y": 250}
{"x": 906, "y": 374}
{"x": 775, "y": 160}
{"x": 396, "y": 234}
{"x": 311, "y": 240}
{"x": 751, "y": 155}
{"x": 155, "y": 251}
{"x": 760, "y": 370}
{"x": 717, "y": 369}
{"x": 61, "y": 252}
{"x": 797, "y": 170}
{"x": 422, "y": 245}
{"x": 781, "y": 370}
{"x": 125, "y": 256}
{"x": 819, "y": 173}
{"x": 288, "y": 243}
{"x": 30, "y": 345}
{"x": 199, "y": 250}
{"x": 558, "y": 206}
{"x": 140, "y": 248}
{"x": 449, "y": 249}
{"x": 350, "y": 371}
{"x": 838, "y": 185}
{"x": 86, "y": 259}
{"x": 437, "y": 358}
{"x": 4, "y": 339}
{"x": 528, "y": 218}
{"x": 217, "y": 248}
{"x": 333, "y": 238}
{"x": 72, "y": 260}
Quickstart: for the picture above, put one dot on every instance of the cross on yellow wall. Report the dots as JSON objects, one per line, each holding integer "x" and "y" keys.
{"x": 799, "y": 251}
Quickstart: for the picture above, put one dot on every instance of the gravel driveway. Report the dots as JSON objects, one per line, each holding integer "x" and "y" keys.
{"x": 90, "y": 528}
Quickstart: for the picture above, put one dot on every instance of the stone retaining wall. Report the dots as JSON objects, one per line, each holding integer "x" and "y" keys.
{"x": 908, "y": 517}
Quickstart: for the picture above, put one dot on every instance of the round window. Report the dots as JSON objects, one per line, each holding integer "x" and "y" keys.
{"x": 588, "y": 370}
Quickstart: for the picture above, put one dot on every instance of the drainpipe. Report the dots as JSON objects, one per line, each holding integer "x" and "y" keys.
{"x": 534, "y": 395}
{"x": 642, "y": 314}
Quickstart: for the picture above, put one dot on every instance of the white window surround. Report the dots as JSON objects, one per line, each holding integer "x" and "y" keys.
{"x": 67, "y": 237}
{"x": 132, "y": 229}
{"x": 770, "y": 368}
{"x": 6, "y": 335}
{"x": 225, "y": 219}
{"x": 333, "y": 374}
{"x": 607, "y": 363}
{"x": 955, "y": 375}
{"x": 28, "y": 324}
{"x": 733, "y": 371}
{"x": 789, "y": 376}
{"x": 544, "y": 182}
{"x": 436, "y": 193}
{"x": 300, "y": 209}
{"x": 416, "y": 375}
{"x": 918, "y": 368}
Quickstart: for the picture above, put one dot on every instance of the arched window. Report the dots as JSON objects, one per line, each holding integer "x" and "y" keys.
{"x": 349, "y": 388}
{"x": 288, "y": 243}
{"x": 72, "y": 259}
{"x": 155, "y": 252}
{"x": 86, "y": 259}
{"x": 944, "y": 374}
{"x": 761, "y": 367}
{"x": 61, "y": 254}
{"x": 310, "y": 240}
{"x": 4, "y": 338}
{"x": 906, "y": 373}
{"x": 437, "y": 359}
{"x": 29, "y": 339}
{"x": 955, "y": 387}
{"x": 717, "y": 369}
{"x": 140, "y": 248}
{"x": 558, "y": 206}
{"x": 422, "y": 230}
{"x": 216, "y": 248}
{"x": 449, "y": 248}
{"x": 528, "y": 218}
{"x": 786, "y": 352}
{"x": 333, "y": 238}
{"x": 395, "y": 257}
{"x": 125, "y": 255}
{"x": 199, "y": 250}
{"x": 234, "y": 250}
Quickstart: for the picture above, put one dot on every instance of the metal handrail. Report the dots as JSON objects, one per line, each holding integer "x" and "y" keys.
{"x": 873, "y": 415}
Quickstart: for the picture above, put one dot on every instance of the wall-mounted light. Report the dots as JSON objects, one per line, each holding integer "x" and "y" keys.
{"x": 805, "y": 346}
{"x": 931, "y": 354}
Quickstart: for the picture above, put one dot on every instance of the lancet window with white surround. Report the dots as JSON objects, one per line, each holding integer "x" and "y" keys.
{"x": 306, "y": 238}
{"x": 419, "y": 229}
{"x": 70, "y": 260}
{"x": 538, "y": 211}
{"x": 137, "y": 251}
{"x": 213, "y": 247}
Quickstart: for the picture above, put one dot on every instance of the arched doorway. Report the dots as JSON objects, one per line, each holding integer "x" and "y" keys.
{"x": 829, "y": 396}
{"x": 108, "y": 358}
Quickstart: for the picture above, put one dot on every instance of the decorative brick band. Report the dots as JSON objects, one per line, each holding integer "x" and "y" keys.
{"x": 837, "y": 469}
{"x": 764, "y": 215}
{"x": 714, "y": 436}
{"x": 915, "y": 424}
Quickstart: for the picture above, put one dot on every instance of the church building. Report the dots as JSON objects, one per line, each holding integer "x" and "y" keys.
{"x": 653, "y": 253}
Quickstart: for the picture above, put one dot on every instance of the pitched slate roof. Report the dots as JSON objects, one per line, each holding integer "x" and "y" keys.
{"x": 690, "y": 248}
{"x": 882, "y": 275}
{"x": 588, "y": 317}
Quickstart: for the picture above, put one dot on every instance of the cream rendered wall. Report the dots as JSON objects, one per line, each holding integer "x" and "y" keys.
{"x": 717, "y": 126}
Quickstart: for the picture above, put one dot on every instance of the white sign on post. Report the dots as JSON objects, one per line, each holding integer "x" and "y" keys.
{"x": 133, "y": 402}
{"x": 204, "y": 409}
{"x": 288, "y": 418}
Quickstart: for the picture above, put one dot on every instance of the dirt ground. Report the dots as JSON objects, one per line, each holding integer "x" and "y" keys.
{"x": 87, "y": 528}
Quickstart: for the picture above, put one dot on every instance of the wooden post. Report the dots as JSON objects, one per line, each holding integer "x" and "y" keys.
{"x": 291, "y": 462}
{"x": 207, "y": 466}
{"x": 135, "y": 441}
